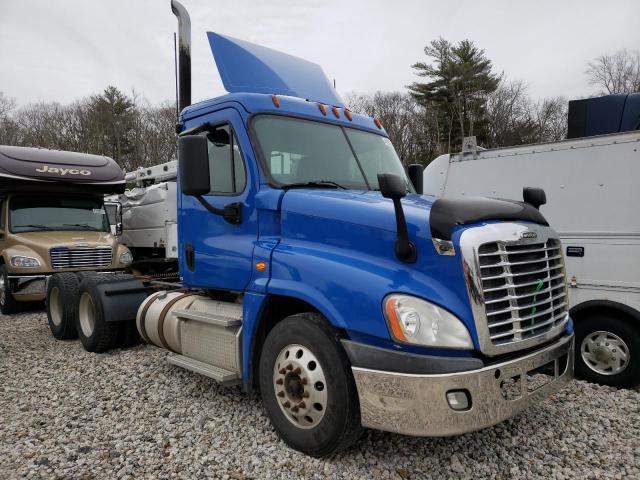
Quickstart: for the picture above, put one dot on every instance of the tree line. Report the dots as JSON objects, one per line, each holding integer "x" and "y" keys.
{"x": 457, "y": 94}
{"x": 125, "y": 128}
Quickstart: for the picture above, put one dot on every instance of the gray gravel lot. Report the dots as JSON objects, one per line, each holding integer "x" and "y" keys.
{"x": 66, "y": 413}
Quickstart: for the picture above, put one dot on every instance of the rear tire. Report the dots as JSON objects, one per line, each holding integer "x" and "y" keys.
{"x": 607, "y": 350}
{"x": 8, "y": 304}
{"x": 96, "y": 335}
{"x": 62, "y": 305}
{"x": 307, "y": 386}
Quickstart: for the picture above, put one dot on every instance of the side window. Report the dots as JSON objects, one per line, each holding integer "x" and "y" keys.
{"x": 226, "y": 167}
{"x": 2, "y": 214}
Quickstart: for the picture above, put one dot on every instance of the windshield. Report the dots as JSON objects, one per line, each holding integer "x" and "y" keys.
{"x": 300, "y": 151}
{"x": 51, "y": 212}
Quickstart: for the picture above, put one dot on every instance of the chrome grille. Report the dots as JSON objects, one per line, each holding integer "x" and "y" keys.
{"x": 523, "y": 287}
{"x": 86, "y": 257}
{"x": 516, "y": 281}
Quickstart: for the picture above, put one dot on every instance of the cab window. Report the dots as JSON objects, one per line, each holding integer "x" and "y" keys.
{"x": 227, "y": 174}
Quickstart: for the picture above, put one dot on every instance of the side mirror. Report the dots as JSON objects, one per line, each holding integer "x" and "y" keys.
{"x": 114, "y": 215}
{"x": 393, "y": 187}
{"x": 118, "y": 219}
{"x": 193, "y": 165}
{"x": 415, "y": 171}
{"x": 534, "y": 196}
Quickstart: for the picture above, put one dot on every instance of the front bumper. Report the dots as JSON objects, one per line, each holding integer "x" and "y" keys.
{"x": 414, "y": 404}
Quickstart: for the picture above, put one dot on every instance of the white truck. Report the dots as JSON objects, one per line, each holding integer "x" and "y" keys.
{"x": 149, "y": 219}
{"x": 593, "y": 200}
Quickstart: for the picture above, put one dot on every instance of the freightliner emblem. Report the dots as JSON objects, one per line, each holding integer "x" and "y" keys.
{"x": 528, "y": 234}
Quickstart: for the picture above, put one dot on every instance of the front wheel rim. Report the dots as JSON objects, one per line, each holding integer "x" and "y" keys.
{"x": 605, "y": 353}
{"x": 300, "y": 386}
{"x": 87, "y": 314}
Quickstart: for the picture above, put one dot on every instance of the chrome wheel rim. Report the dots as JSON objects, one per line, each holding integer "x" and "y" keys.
{"x": 86, "y": 314}
{"x": 3, "y": 290}
{"x": 300, "y": 386}
{"x": 55, "y": 306}
{"x": 605, "y": 353}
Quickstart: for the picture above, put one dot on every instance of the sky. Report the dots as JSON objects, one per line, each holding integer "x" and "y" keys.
{"x": 67, "y": 49}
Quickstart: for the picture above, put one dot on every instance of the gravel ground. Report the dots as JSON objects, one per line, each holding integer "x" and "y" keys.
{"x": 66, "y": 413}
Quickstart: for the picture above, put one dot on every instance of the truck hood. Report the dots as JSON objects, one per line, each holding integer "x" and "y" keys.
{"x": 364, "y": 208}
{"x": 51, "y": 239}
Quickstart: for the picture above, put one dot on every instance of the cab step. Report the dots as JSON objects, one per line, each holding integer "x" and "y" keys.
{"x": 220, "y": 375}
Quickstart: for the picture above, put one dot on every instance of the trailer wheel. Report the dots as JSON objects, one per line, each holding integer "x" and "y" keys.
{"x": 307, "y": 386}
{"x": 8, "y": 304}
{"x": 607, "y": 351}
{"x": 96, "y": 335}
{"x": 62, "y": 305}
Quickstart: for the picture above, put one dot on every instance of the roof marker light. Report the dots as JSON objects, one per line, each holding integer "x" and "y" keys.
{"x": 378, "y": 123}
{"x": 322, "y": 108}
{"x": 275, "y": 100}
{"x": 347, "y": 113}
{"x": 335, "y": 111}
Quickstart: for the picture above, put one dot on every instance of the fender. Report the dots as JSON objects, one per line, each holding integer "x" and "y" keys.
{"x": 608, "y": 304}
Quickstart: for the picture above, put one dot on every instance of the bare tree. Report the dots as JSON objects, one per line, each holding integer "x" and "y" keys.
{"x": 616, "y": 73}
{"x": 410, "y": 126}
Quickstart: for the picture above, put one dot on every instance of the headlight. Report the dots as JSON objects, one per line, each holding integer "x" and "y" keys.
{"x": 24, "y": 262}
{"x": 126, "y": 257}
{"x": 416, "y": 321}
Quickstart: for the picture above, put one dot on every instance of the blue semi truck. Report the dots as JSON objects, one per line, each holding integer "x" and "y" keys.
{"x": 315, "y": 272}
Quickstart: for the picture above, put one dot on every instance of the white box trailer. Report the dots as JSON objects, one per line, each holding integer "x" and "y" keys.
{"x": 593, "y": 201}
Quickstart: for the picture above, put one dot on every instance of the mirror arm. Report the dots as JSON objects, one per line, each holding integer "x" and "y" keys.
{"x": 232, "y": 212}
{"x": 405, "y": 249}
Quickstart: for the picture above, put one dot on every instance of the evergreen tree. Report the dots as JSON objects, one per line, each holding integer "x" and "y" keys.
{"x": 460, "y": 82}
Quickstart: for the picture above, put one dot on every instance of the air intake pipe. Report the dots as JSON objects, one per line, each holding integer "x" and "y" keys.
{"x": 184, "y": 54}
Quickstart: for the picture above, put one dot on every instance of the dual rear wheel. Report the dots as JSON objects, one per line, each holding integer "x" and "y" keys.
{"x": 74, "y": 311}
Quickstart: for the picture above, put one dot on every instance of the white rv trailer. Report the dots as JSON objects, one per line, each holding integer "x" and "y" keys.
{"x": 593, "y": 201}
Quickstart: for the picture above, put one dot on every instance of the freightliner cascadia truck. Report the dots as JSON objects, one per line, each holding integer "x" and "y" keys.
{"x": 314, "y": 271}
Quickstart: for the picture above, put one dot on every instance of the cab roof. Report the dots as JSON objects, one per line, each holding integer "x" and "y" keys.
{"x": 262, "y": 80}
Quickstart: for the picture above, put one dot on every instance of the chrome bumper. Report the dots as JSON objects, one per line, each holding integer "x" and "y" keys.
{"x": 417, "y": 404}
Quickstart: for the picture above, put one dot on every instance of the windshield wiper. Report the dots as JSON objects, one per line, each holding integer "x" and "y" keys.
{"x": 84, "y": 226}
{"x": 33, "y": 225}
{"x": 314, "y": 184}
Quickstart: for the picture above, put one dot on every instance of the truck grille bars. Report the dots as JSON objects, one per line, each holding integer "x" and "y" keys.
{"x": 517, "y": 285}
{"x": 523, "y": 287}
{"x": 63, "y": 257}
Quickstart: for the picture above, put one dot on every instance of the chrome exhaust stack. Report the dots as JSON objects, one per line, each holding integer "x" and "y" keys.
{"x": 184, "y": 54}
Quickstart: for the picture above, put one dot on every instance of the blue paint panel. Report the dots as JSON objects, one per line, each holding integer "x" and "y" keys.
{"x": 337, "y": 253}
{"x": 247, "y": 67}
{"x": 223, "y": 252}
{"x": 252, "y": 306}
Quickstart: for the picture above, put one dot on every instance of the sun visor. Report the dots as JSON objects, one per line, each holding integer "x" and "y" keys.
{"x": 250, "y": 68}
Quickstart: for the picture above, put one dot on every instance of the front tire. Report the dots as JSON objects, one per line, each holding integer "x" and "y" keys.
{"x": 62, "y": 305}
{"x": 608, "y": 351}
{"x": 307, "y": 387}
{"x": 96, "y": 335}
{"x": 8, "y": 304}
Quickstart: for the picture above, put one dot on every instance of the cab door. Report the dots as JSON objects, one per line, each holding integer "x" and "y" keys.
{"x": 215, "y": 253}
